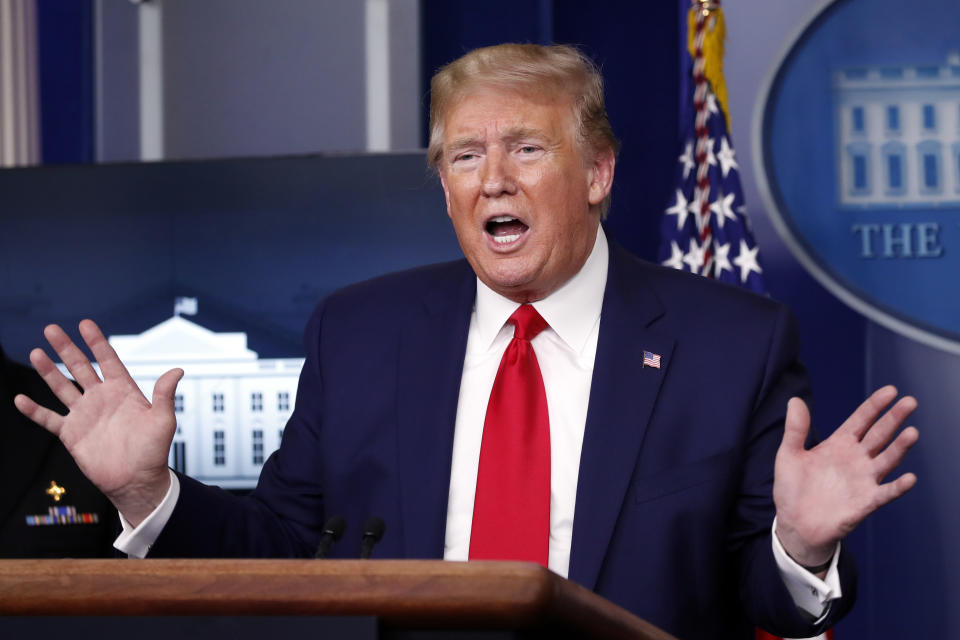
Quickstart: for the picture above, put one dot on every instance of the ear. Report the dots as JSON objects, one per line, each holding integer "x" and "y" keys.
{"x": 601, "y": 177}
{"x": 446, "y": 189}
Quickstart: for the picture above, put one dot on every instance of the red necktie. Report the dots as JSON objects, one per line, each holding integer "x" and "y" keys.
{"x": 511, "y": 513}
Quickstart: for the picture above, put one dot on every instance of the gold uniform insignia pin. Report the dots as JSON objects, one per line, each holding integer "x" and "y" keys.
{"x": 55, "y": 491}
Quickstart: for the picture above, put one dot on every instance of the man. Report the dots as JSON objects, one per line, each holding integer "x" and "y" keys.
{"x": 48, "y": 509}
{"x": 643, "y": 474}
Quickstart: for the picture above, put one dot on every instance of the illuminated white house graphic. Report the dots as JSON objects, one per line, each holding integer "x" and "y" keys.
{"x": 898, "y": 134}
{"x": 231, "y": 407}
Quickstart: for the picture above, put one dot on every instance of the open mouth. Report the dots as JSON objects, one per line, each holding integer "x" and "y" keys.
{"x": 505, "y": 229}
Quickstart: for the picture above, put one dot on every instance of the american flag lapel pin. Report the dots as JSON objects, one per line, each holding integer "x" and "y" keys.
{"x": 651, "y": 359}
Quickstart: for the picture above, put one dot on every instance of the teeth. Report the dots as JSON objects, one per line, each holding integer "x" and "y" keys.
{"x": 503, "y": 219}
{"x": 506, "y": 239}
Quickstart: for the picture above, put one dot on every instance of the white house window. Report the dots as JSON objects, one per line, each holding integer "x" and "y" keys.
{"x": 279, "y": 436}
{"x": 180, "y": 457}
{"x": 893, "y": 118}
{"x": 928, "y": 154}
{"x": 860, "y": 172}
{"x": 178, "y": 403}
{"x": 257, "y": 440}
{"x": 895, "y": 172}
{"x": 218, "y": 403}
{"x": 929, "y": 117}
{"x": 219, "y": 452}
{"x": 256, "y": 401}
{"x": 857, "y": 120}
{"x": 283, "y": 401}
{"x": 894, "y": 161}
{"x": 859, "y": 155}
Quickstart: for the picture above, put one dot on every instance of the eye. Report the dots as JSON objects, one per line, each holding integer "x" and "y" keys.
{"x": 464, "y": 157}
{"x": 528, "y": 149}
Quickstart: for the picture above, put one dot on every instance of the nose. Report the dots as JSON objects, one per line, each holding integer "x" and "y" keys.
{"x": 497, "y": 174}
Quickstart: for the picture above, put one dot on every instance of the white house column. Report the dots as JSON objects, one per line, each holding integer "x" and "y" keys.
{"x": 151, "y": 80}
{"x": 377, "y": 50}
{"x": 19, "y": 107}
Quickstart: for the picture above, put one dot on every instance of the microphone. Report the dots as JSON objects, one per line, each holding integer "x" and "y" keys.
{"x": 373, "y": 530}
{"x": 333, "y": 530}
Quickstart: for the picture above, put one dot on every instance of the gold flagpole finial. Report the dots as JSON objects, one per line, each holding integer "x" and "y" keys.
{"x": 706, "y": 6}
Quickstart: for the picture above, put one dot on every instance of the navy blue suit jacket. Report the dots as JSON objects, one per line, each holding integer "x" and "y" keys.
{"x": 674, "y": 505}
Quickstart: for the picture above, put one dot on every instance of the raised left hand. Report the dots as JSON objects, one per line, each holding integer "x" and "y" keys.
{"x": 823, "y": 493}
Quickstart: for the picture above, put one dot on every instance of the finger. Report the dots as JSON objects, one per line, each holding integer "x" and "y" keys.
{"x": 877, "y": 436}
{"x": 888, "y": 460}
{"x": 106, "y": 356}
{"x": 890, "y": 491}
{"x": 63, "y": 388}
{"x": 46, "y": 418}
{"x": 165, "y": 389}
{"x": 796, "y": 426}
{"x": 866, "y": 414}
{"x": 70, "y": 354}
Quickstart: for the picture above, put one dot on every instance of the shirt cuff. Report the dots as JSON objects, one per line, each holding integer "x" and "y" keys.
{"x": 136, "y": 541}
{"x": 809, "y": 593}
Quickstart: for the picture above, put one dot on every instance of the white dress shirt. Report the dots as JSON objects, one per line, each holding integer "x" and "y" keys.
{"x": 566, "y": 351}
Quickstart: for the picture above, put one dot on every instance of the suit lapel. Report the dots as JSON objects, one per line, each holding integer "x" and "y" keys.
{"x": 432, "y": 347}
{"x": 622, "y": 396}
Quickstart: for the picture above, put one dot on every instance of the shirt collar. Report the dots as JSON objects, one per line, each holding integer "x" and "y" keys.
{"x": 571, "y": 311}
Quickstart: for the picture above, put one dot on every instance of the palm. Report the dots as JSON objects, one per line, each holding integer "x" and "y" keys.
{"x": 114, "y": 422}
{"x": 822, "y": 494}
{"x": 118, "y": 438}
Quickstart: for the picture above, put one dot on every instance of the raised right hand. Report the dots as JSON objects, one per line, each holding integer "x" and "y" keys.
{"x": 119, "y": 439}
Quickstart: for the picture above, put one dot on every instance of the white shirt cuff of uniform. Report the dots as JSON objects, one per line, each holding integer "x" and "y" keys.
{"x": 136, "y": 541}
{"x": 810, "y": 593}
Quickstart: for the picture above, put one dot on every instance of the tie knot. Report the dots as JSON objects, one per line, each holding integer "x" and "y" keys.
{"x": 528, "y": 322}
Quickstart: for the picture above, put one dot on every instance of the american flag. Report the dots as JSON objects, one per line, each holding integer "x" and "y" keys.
{"x": 651, "y": 359}
{"x": 705, "y": 228}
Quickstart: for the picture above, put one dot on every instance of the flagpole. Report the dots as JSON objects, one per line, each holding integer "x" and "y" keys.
{"x": 704, "y": 12}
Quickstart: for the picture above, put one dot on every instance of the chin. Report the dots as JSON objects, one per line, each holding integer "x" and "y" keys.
{"x": 507, "y": 278}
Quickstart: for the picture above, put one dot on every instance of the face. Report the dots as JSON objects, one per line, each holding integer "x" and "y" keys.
{"x": 524, "y": 200}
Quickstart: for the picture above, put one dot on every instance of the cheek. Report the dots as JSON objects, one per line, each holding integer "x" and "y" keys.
{"x": 459, "y": 193}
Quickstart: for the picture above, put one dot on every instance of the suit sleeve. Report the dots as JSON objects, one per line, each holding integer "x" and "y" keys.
{"x": 762, "y": 593}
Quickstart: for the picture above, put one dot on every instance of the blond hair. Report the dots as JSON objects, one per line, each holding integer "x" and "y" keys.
{"x": 550, "y": 69}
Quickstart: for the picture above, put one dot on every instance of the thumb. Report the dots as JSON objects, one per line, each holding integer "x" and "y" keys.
{"x": 165, "y": 388}
{"x": 796, "y": 426}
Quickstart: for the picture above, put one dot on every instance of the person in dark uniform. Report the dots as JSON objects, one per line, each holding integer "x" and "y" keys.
{"x": 48, "y": 509}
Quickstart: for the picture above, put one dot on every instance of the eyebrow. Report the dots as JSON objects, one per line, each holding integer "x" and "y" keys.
{"x": 518, "y": 133}
{"x": 463, "y": 143}
{"x": 510, "y": 135}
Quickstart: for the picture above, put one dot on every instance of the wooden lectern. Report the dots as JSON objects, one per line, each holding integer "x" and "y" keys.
{"x": 270, "y": 599}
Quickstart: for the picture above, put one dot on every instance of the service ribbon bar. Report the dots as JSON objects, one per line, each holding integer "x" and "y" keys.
{"x": 61, "y": 515}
